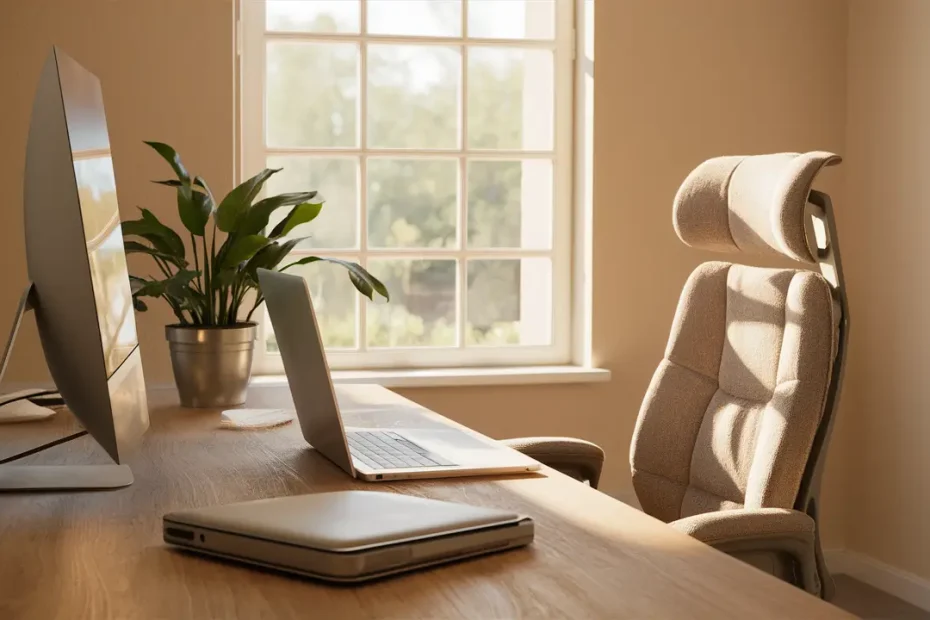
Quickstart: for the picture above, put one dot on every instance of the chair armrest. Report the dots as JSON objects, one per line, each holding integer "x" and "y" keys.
{"x": 775, "y": 530}
{"x": 577, "y": 458}
{"x": 747, "y": 524}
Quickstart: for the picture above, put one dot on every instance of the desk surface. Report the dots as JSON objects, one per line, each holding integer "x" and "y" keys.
{"x": 100, "y": 555}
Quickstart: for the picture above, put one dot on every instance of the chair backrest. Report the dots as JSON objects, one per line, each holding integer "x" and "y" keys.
{"x": 739, "y": 410}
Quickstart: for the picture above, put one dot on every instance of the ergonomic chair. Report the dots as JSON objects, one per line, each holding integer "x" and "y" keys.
{"x": 731, "y": 438}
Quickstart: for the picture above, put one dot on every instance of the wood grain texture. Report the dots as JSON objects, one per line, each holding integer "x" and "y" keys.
{"x": 100, "y": 555}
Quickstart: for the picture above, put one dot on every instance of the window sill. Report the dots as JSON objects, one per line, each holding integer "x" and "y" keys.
{"x": 452, "y": 377}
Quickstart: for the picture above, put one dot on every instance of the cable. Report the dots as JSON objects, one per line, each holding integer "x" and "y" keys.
{"x": 46, "y": 446}
{"x": 41, "y": 396}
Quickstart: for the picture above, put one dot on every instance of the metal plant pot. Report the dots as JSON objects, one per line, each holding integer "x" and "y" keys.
{"x": 212, "y": 366}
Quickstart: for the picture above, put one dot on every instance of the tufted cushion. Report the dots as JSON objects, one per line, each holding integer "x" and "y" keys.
{"x": 730, "y": 416}
{"x": 752, "y": 204}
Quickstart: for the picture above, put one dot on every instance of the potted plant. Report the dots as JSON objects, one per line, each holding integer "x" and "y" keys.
{"x": 213, "y": 290}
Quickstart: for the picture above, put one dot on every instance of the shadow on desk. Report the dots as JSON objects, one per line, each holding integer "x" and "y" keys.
{"x": 514, "y": 557}
{"x": 101, "y": 555}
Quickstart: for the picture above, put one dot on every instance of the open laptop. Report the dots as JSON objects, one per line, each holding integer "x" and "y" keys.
{"x": 366, "y": 453}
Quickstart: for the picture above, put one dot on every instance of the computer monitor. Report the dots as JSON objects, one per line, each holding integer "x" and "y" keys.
{"x": 80, "y": 291}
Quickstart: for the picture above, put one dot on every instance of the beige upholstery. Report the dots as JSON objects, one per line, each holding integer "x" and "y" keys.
{"x": 751, "y": 204}
{"x": 732, "y": 410}
{"x": 778, "y": 541}
{"x": 724, "y": 435}
{"x": 730, "y": 435}
{"x": 577, "y": 458}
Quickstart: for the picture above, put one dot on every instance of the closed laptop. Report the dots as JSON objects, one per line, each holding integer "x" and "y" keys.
{"x": 347, "y": 536}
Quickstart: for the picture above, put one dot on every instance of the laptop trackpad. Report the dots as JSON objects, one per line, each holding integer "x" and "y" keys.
{"x": 440, "y": 439}
{"x": 462, "y": 448}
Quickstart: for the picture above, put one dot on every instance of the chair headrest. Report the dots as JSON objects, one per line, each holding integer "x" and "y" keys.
{"x": 752, "y": 204}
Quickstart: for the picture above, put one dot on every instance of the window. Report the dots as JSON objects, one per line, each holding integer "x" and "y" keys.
{"x": 440, "y": 134}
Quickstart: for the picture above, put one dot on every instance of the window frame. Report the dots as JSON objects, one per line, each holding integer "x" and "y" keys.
{"x": 566, "y": 321}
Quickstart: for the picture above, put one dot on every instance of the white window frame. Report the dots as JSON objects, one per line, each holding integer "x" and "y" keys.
{"x": 569, "y": 302}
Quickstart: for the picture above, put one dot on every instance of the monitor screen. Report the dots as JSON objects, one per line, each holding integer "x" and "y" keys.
{"x": 93, "y": 171}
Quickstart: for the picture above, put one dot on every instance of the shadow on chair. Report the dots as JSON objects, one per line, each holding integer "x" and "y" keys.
{"x": 731, "y": 438}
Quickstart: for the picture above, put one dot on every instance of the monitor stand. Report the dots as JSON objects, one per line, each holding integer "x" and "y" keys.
{"x": 54, "y": 477}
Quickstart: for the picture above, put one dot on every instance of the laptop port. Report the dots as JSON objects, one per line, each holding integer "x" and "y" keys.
{"x": 175, "y": 532}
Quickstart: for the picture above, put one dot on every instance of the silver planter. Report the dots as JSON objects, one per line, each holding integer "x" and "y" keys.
{"x": 212, "y": 365}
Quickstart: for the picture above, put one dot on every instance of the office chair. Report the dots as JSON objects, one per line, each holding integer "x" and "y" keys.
{"x": 731, "y": 438}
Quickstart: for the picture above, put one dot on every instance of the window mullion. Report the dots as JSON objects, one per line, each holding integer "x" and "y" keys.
{"x": 462, "y": 264}
{"x": 362, "y": 124}
{"x": 560, "y": 154}
{"x": 326, "y": 37}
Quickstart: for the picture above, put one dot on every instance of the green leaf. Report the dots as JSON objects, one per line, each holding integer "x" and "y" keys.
{"x": 199, "y": 182}
{"x": 225, "y": 277}
{"x": 256, "y": 219}
{"x": 269, "y": 257}
{"x": 364, "y": 282}
{"x": 136, "y": 283}
{"x": 169, "y": 183}
{"x": 233, "y": 208}
{"x": 147, "y": 288}
{"x": 242, "y": 249}
{"x": 134, "y": 247}
{"x": 160, "y": 236}
{"x": 194, "y": 209}
{"x": 178, "y": 285}
{"x": 172, "y": 157}
{"x": 301, "y": 214}
{"x": 139, "y": 305}
{"x": 170, "y": 237}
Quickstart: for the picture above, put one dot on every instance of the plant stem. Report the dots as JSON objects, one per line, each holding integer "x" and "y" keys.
{"x": 243, "y": 291}
{"x": 234, "y": 303}
{"x": 196, "y": 261}
{"x": 163, "y": 266}
{"x": 258, "y": 302}
{"x": 206, "y": 274}
{"x": 231, "y": 304}
{"x": 222, "y": 308}
{"x": 213, "y": 257}
{"x": 195, "y": 315}
{"x": 177, "y": 310}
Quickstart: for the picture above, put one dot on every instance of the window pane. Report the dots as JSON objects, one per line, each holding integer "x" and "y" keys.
{"x": 336, "y": 179}
{"x": 422, "y": 307}
{"x": 430, "y": 18}
{"x": 312, "y": 15}
{"x": 509, "y": 302}
{"x": 413, "y": 96}
{"x": 334, "y": 301}
{"x": 510, "y": 98}
{"x": 511, "y": 19}
{"x": 510, "y": 204}
{"x": 312, "y": 94}
{"x": 412, "y": 202}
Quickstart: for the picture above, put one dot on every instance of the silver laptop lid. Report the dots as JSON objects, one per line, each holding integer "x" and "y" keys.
{"x": 298, "y": 335}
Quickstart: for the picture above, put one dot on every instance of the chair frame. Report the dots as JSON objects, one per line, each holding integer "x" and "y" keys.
{"x": 826, "y": 251}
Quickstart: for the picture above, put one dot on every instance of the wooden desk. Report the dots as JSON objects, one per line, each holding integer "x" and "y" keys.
{"x": 100, "y": 555}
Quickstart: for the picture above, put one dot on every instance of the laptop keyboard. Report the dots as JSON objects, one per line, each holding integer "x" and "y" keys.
{"x": 388, "y": 450}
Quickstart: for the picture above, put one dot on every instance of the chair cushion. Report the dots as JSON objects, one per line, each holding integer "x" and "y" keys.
{"x": 753, "y": 204}
{"x": 730, "y": 416}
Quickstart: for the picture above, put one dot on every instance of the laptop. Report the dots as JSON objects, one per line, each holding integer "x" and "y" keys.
{"x": 371, "y": 454}
{"x": 346, "y": 536}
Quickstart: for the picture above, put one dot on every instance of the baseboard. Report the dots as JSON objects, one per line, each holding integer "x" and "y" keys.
{"x": 903, "y": 584}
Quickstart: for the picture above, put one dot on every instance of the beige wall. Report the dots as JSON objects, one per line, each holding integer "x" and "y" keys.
{"x": 678, "y": 81}
{"x": 885, "y": 241}
{"x": 166, "y": 70}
